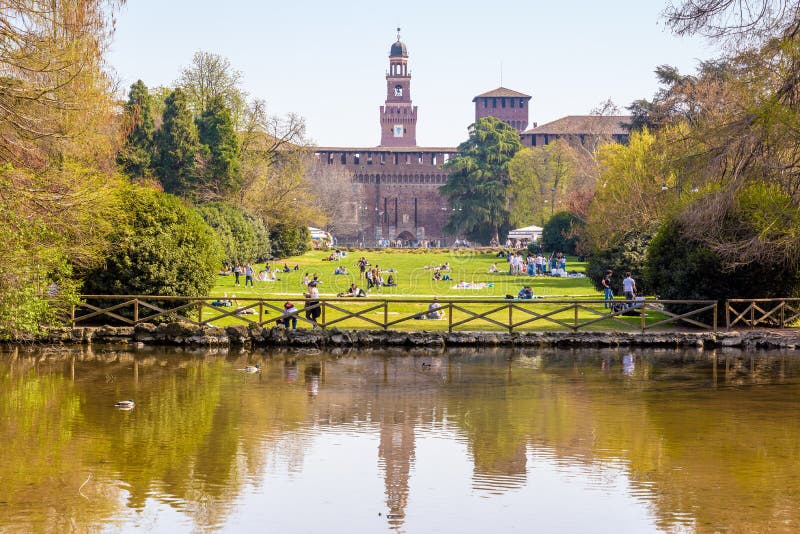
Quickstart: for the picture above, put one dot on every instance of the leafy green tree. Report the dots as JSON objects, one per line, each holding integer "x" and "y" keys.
{"x": 222, "y": 174}
{"x": 212, "y": 76}
{"x": 178, "y": 147}
{"x": 164, "y": 249}
{"x": 478, "y": 183}
{"x": 289, "y": 239}
{"x": 561, "y": 231}
{"x": 243, "y": 237}
{"x": 136, "y": 155}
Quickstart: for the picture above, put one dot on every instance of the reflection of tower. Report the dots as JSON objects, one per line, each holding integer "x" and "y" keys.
{"x": 396, "y": 450}
{"x": 398, "y": 116}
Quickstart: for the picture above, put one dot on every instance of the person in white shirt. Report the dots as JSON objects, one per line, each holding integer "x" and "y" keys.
{"x": 629, "y": 287}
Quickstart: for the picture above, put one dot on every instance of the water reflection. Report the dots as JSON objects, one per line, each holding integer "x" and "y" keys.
{"x": 461, "y": 441}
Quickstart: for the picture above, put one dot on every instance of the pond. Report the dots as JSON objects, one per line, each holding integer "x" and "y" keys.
{"x": 380, "y": 441}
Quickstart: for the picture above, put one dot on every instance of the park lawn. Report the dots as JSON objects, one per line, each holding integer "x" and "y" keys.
{"x": 416, "y": 282}
{"x": 413, "y": 280}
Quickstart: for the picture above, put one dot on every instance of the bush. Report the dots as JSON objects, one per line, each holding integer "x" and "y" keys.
{"x": 560, "y": 233}
{"x": 164, "y": 249}
{"x": 243, "y": 237}
{"x": 680, "y": 269}
{"x": 289, "y": 240}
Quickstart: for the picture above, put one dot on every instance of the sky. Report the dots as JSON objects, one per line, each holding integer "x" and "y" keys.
{"x": 327, "y": 61}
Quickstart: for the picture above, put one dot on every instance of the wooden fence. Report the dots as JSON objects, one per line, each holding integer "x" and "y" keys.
{"x": 771, "y": 313}
{"x": 507, "y": 315}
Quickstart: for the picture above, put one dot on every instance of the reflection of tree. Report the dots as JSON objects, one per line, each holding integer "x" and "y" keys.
{"x": 201, "y": 432}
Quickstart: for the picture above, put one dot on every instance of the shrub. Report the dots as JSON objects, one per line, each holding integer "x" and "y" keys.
{"x": 289, "y": 240}
{"x": 243, "y": 237}
{"x": 164, "y": 249}
{"x": 681, "y": 269}
{"x": 560, "y": 233}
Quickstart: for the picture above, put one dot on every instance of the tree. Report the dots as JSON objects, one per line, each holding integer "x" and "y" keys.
{"x": 243, "y": 237}
{"x": 164, "y": 248}
{"x": 561, "y": 231}
{"x": 211, "y": 76}
{"x": 178, "y": 147}
{"x": 58, "y": 145}
{"x": 289, "y": 239}
{"x": 221, "y": 173}
{"x": 136, "y": 155}
{"x": 478, "y": 182}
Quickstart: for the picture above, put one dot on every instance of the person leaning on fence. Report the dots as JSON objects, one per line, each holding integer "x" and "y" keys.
{"x": 608, "y": 291}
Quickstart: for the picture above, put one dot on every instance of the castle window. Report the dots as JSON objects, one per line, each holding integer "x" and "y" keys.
{"x": 485, "y": 103}
{"x": 356, "y": 158}
{"x": 330, "y": 158}
{"x": 369, "y": 158}
{"x": 419, "y": 158}
{"x": 433, "y": 159}
{"x": 344, "y": 158}
{"x": 512, "y": 102}
{"x": 398, "y": 90}
{"x": 383, "y": 158}
{"x": 503, "y": 102}
{"x": 521, "y": 103}
{"x": 494, "y": 102}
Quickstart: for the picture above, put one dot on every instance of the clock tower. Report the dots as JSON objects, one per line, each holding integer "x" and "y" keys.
{"x": 398, "y": 116}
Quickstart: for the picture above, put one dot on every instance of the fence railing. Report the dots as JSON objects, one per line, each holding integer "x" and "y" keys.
{"x": 770, "y": 313}
{"x": 509, "y": 315}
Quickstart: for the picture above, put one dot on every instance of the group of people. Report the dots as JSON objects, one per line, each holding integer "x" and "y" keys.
{"x": 628, "y": 289}
{"x": 533, "y": 265}
{"x": 267, "y": 274}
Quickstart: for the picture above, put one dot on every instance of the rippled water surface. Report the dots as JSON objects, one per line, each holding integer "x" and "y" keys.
{"x": 461, "y": 441}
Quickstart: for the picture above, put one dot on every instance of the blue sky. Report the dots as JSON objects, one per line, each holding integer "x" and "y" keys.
{"x": 327, "y": 60}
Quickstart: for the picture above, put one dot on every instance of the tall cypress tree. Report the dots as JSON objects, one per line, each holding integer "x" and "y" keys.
{"x": 178, "y": 147}
{"x": 222, "y": 174}
{"x": 136, "y": 155}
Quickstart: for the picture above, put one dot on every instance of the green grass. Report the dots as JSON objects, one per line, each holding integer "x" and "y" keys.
{"x": 416, "y": 282}
{"x": 412, "y": 278}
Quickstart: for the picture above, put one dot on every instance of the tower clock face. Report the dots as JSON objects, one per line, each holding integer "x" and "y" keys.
{"x": 398, "y": 90}
{"x": 398, "y": 130}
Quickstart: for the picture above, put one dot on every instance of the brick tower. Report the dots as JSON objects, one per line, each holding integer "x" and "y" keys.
{"x": 505, "y": 104}
{"x": 398, "y": 116}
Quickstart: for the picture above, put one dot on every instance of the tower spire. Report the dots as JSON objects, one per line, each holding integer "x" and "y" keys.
{"x": 398, "y": 33}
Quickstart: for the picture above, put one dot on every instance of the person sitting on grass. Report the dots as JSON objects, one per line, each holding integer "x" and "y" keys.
{"x": 526, "y": 293}
{"x": 493, "y": 268}
{"x": 224, "y": 301}
{"x": 340, "y": 270}
{"x": 354, "y": 291}
{"x": 390, "y": 281}
{"x": 435, "y": 310}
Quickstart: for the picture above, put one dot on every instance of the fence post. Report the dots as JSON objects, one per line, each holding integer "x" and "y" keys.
{"x": 715, "y": 315}
{"x": 322, "y": 312}
{"x": 450, "y": 317}
{"x": 72, "y": 315}
{"x": 575, "y": 316}
{"x": 135, "y": 311}
{"x": 260, "y": 312}
{"x": 643, "y": 316}
{"x": 727, "y": 315}
{"x": 510, "y": 318}
{"x": 385, "y": 314}
{"x": 200, "y": 311}
{"x": 752, "y": 315}
{"x": 783, "y": 317}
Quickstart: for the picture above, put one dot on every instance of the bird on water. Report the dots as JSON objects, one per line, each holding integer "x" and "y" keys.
{"x": 125, "y": 405}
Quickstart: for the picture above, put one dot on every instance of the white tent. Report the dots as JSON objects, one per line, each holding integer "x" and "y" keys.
{"x": 528, "y": 233}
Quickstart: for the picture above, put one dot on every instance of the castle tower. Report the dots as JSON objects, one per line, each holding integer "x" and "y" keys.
{"x": 398, "y": 116}
{"x": 507, "y": 105}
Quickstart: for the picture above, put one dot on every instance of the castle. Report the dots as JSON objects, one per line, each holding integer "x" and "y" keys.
{"x": 394, "y": 192}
